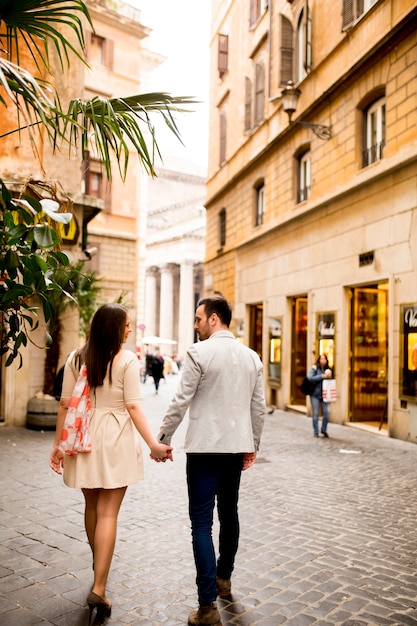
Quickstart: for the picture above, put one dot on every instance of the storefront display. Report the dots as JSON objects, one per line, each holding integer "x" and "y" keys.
{"x": 275, "y": 344}
{"x": 408, "y": 362}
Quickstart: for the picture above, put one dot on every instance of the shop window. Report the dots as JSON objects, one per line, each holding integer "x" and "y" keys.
{"x": 257, "y": 8}
{"x": 223, "y": 129}
{"x": 326, "y": 337}
{"x": 222, "y": 228}
{"x": 275, "y": 347}
{"x": 259, "y": 92}
{"x": 374, "y": 132}
{"x": 353, "y": 10}
{"x": 260, "y": 204}
{"x": 248, "y": 104}
{"x": 303, "y": 177}
{"x": 223, "y": 55}
{"x": 408, "y": 362}
{"x": 287, "y": 51}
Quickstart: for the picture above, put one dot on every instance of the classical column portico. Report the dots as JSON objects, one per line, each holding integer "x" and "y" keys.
{"x": 186, "y": 307}
{"x": 166, "y": 312}
{"x": 150, "y": 296}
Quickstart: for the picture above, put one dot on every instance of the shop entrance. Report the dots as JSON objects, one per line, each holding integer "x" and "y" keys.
{"x": 369, "y": 354}
{"x": 299, "y": 364}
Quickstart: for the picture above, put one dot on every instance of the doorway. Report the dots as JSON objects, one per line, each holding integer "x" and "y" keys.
{"x": 298, "y": 348}
{"x": 256, "y": 328}
{"x": 369, "y": 354}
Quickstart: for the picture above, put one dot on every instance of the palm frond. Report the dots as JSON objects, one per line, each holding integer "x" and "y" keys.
{"x": 115, "y": 126}
{"x": 40, "y": 21}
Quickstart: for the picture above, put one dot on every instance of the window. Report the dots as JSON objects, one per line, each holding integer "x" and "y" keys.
{"x": 223, "y": 129}
{"x": 260, "y": 203}
{"x": 353, "y": 10}
{"x": 287, "y": 51}
{"x": 259, "y": 92}
{"x": 303, "y": 65}
{"x": 374, "y": 132}
{"x": 223, "y": 55}
{"x": 222, "y": 228}
{"x": 257, "y": 8}
{"x": 248, "y": 104}
{"x": 303, "y": 190}
{"x": 95, "y": 184}
{"x": 100, "y": 51}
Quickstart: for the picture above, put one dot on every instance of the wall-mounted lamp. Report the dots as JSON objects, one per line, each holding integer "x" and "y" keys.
{"x": 290, "y": 95}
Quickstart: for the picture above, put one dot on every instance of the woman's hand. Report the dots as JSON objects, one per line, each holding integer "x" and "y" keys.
{"x": 161, "y": 453}
{"x": 56, "y": 460}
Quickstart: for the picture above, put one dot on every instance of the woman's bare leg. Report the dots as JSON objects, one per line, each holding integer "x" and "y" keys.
{"x": 102, "y": 509}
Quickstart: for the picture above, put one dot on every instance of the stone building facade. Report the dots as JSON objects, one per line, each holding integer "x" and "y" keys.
{"x": 311, "y": 224}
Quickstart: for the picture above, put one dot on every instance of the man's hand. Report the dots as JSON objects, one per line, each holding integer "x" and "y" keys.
{"x": 249, "y": 459}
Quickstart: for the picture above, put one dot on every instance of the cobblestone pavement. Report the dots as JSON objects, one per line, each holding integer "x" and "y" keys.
{"x": 328, "y": 533}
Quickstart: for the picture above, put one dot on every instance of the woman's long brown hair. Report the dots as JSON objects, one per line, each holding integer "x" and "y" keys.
{"x": 107, "y": 332}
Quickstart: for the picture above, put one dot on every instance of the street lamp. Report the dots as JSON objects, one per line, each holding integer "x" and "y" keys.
{"x": 290, "y": 95}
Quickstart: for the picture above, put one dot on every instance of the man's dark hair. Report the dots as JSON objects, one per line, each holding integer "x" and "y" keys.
{"x": 218, "y": 305}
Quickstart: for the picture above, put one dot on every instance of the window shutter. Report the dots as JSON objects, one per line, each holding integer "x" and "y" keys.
{"x": 248, "y": 104}
{"x": 108, "y": 53}
{"x": 307, "y": 49}
{"x": 348, "y": 15}
{"x": 360, "y": 8}
{"x": 252, "y": 18}
{"x": 223, "y": 55}
{"x": 287, "y": 51}
{"x": 259, "y": 92}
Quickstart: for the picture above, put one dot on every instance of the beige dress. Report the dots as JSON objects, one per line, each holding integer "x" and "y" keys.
{"x": 116, "y": 458}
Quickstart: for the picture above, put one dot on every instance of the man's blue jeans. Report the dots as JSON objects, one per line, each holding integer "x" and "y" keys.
{"x": 315, "y": 405}
{"x": 208, "y": 476}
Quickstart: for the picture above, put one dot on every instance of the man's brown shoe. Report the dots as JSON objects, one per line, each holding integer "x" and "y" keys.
{"x": 207, "y": 614}
{"x": 224, "y": 587}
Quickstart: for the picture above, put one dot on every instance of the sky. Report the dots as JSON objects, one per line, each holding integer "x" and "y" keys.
{"x": 181, "y": 32}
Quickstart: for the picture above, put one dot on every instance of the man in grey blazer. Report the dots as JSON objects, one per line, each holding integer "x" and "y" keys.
{"x": 222, "y": 386}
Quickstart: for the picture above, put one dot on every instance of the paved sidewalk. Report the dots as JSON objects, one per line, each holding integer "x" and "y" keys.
{"x": 328, "y": 533}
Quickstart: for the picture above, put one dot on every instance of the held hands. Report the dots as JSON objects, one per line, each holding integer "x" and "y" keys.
{"x": 56, "y": 460}
{"x": 161, "y": 453}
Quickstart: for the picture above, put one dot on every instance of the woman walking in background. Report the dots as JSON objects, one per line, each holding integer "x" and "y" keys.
{"x": 115, "y": 460}
{"x": 318, "y": 372}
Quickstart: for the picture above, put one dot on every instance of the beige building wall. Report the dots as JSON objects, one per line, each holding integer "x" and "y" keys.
{"x": 311, "y": 248}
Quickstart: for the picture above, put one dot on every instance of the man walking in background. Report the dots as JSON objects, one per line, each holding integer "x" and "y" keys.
{"x": 222, "y": 385}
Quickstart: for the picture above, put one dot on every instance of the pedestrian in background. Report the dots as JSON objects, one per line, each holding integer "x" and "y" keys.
{"x": 318, "y": 372}
{"x": 115, "y": 460}
{"x": 222, "y": 385}
{"x": 157, "y": 369}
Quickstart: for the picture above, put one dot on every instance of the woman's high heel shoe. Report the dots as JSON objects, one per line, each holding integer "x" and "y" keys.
{"x": 102, "y": 607}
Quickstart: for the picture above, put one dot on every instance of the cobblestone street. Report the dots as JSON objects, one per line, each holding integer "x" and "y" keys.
{"x": 328, "y": 533}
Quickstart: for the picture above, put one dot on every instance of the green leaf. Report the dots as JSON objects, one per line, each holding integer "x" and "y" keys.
{"x": 11, "y": 260}
{"x": 42, "y": 235}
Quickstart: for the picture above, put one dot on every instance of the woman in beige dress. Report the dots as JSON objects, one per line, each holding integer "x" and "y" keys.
{"x": 115, "y": 460}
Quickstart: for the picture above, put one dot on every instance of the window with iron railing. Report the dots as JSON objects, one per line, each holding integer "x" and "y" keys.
{"x": 374, "y": 132}
{"x": 303, "y": 178}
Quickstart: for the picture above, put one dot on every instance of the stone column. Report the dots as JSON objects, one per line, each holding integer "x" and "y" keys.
{"x": 150, "y": 301}
{"x": 166, "y": 312}
{"x": 186, "y": 308}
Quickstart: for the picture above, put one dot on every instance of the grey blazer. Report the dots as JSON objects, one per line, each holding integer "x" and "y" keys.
{"x": 222, "y": 386}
